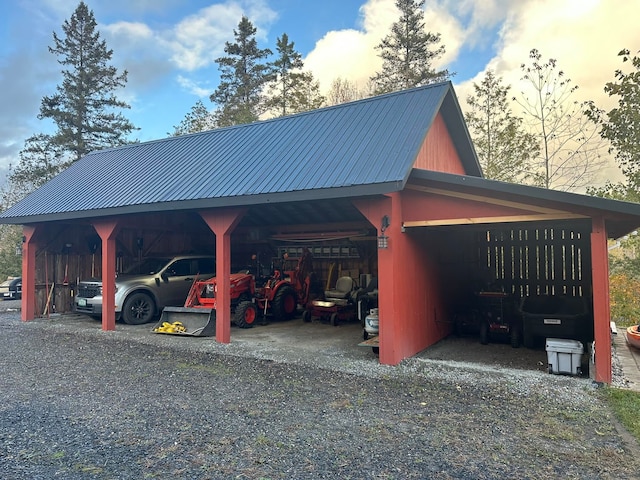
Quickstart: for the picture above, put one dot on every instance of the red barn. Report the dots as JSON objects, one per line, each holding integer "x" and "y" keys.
{"x": 388, "y": 186}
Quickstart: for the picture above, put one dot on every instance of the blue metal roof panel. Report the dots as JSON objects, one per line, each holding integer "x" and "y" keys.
{"x": 369, "y": 142}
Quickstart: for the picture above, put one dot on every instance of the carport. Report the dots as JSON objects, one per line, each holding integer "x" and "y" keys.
{"x": 395, "y": 177}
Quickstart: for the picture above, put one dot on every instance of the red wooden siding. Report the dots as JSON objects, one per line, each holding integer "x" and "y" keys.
{"x": 438, "y": 153}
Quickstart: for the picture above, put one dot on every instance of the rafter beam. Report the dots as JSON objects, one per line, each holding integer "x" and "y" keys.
{"x": 493, "y": 201}
{"x": 489, "y": 220}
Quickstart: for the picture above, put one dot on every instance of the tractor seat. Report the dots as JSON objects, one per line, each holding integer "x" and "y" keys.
{"x": 343, "y": 289}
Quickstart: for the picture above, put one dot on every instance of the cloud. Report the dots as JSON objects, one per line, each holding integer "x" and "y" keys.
{"x": 197, "y": 40}
{"x": 193, "y": 87}
{"x": 584, "y": 36}
{"x": 351, "y": 54}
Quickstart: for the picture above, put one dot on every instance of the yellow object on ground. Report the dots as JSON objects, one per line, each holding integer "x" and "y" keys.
{"x": 166, "y": 327}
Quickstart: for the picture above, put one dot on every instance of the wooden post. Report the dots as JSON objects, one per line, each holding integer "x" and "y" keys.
{"x": 29, "y": 247}
{"x": 108, "y": 229}
{"x": 222, "y": 222}
{"x": 601, "y": 306}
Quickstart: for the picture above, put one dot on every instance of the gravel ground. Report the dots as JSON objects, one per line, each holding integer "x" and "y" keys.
{"x": 79, "y": 403}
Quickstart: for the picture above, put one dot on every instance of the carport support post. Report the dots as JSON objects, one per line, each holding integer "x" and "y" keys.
{"x": 222, "y": 222}
{"x": 601, "y": 306}
{"x": 29, "y": 247}
{"x": 374, "y": 210}
{"x": 108, "y": 230}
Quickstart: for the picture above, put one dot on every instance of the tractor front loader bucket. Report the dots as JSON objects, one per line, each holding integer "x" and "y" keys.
{"x": 196, "y": 322}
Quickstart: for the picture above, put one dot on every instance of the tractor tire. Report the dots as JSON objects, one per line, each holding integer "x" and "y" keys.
{"x": 138, "y": 308}
{"x": 245, "y": 315}
{"x": 244, "y": 297}
{"x": 284, "y": 303}
{"x": 484, "y": 333}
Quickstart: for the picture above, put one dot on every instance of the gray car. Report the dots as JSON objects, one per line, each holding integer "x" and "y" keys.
{"x": 143, "y": 290}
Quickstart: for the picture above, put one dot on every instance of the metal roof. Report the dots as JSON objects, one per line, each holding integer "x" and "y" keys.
{"x": 359, "y": 148}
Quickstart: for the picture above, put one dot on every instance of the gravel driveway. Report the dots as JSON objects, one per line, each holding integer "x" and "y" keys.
{"x": 86, "y": 404}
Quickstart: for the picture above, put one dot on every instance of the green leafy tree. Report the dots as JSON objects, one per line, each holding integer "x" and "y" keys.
{"x": 243, "y": 76}
{"x": 408, "y": 52}
{"x": 571, "y": 151}
{"x": 291, "y": 89}
{"x": 198, "y": 119}
{"x": 504, "y": 148}
{"x": 85, "y": 109}
{"x": 10, "y": 260}
{"x": 621, "y": 127}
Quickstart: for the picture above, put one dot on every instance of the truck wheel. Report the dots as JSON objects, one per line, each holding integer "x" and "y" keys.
{"x": 245, "y": 315}
{"x": 284, "y": 303}
{"x": 138, "y": 309}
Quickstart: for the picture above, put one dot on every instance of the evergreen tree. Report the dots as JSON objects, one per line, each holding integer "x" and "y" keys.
{"x": 198, "y": 119}
{"x": 292, "y": 90}
{"x": 85, "y": 108}
{"x": 503, "y": 147}
{"x": 41, "y": 159}
{"x": 408, "y": 52}
{"x": 240, "y": 96}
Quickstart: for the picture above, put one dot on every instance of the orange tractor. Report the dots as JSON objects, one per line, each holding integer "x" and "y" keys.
{"x": 251, "y": 298}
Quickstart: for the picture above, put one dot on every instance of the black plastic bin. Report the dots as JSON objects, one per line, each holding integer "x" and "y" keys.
{"x": 556, "y": 316}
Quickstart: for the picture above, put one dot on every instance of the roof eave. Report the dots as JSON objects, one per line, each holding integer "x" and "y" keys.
{"x": 222, "y": 202}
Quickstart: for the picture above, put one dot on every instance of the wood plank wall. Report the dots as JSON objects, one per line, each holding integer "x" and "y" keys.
{"x": 553, "y": 261}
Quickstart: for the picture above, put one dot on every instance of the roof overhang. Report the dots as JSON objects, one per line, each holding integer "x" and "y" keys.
{"x": 527, "y": 203}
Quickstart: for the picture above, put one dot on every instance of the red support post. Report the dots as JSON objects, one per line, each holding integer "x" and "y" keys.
{"x": 222, "y": 222}
{"x": 29, "y": 247}
{"x": 601, "y": 305}
{"x": 108, "y": 229}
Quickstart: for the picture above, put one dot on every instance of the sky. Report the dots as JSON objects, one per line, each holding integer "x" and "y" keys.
{"x": 169, "y": 47}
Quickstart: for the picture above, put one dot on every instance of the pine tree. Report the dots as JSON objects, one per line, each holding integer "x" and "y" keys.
{"x": 85, "y": 109}
{"x": 407, "y": 53}
{"x": 240, "y": 96}
{"x": 292, "y": 90}
{"x": 504, "y": 148}
{"x": 41, "y": 159}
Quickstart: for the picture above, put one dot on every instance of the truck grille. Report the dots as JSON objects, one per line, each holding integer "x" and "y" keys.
{"x": 88, "y": 291}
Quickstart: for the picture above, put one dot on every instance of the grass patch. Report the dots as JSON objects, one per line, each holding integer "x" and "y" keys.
{"x": 626, "y": 406}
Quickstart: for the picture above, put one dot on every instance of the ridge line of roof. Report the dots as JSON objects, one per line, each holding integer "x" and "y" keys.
{"x": 275, "y": 119}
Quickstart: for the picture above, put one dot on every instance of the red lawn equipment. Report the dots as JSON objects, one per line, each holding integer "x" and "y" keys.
{"x": 279, "y": 296}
